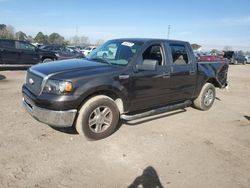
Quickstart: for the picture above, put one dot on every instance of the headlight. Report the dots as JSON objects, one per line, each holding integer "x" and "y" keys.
{"x": 57, "y": 54}
{"x": 57, "y": 87}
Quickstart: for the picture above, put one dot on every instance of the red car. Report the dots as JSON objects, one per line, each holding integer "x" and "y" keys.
{"x": 211, "y": 58}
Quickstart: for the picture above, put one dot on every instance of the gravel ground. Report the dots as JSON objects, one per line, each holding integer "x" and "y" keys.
{"x": 184, "y": 148}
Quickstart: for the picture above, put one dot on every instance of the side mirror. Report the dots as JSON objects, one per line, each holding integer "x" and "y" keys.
{"x": 147, "y": 65}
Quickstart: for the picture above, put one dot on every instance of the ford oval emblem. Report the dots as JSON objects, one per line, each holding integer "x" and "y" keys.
{"x": 31, "y": 81}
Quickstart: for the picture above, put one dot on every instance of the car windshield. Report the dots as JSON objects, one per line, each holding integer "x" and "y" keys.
{"x": 117, "y": 52}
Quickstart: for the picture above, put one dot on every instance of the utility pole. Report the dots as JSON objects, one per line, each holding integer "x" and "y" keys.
{"x": 169, "y": 27}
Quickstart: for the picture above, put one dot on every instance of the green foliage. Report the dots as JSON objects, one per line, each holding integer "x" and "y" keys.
{"x": 21, "y": 36}
{"x": 41, "y": 38}
{"x": 55, "y": 38}
{"x": 6, "y": 32}
{"x": 214, "y": 51}
{"x": 195, "y": 46}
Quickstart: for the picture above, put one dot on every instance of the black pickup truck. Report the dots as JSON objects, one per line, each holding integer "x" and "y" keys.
{"x": 136, "y": 78}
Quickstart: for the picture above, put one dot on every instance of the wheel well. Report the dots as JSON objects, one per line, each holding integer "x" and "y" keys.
{"x": 43, "y": 58}
{"x": 213, "y": 81}
{"x": 112, "y": 95}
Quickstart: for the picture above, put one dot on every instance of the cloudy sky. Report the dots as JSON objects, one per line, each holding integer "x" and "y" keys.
{"x": 213, "y": 24}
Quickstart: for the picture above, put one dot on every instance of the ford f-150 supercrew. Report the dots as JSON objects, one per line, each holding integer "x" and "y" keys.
{"x": 136, "y": 78}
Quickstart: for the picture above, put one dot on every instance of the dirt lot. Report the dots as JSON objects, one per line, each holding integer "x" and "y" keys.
{"x": 185, "y": 148}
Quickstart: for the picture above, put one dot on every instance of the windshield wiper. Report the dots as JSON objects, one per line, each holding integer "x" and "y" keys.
{"x": 99, "y": 60}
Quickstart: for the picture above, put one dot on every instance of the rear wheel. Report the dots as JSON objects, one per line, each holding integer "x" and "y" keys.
{"x": 244, "y": 62}
{"x": 206, "y": 97}
{"x": 98, "y": 118}
{"x": 46, "y": 60}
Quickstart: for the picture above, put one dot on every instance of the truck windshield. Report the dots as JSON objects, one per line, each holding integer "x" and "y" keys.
{"x": 115, "y": 52}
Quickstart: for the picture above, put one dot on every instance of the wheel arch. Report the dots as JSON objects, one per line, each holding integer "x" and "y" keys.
{"x": 213, "y": 81}
{"x": 47, "y": 57}
{"x": 113, "y": 93}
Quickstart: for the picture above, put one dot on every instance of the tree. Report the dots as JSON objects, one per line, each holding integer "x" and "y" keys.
{"x": 214, "y": 51}
{"x": 21, "y": 36}
{"x": 248, "y": 53}
{"x": 3, "y": 26}
{"x": 99, "y": 42}
{"x": 30, "y": 39}
{"x": 84, "y": 40}
{"x": 195, "y": 46}
{"x": 41, "y": 38}
{"x": 7, "y": 32}
{"x": 81, "y": 41}
{"x": 55, "y": 38}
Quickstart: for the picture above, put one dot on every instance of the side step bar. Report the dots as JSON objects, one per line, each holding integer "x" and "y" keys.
{"x": 156, "y": 111}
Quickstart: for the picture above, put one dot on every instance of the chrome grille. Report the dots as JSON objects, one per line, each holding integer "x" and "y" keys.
{"x": 34, "y": 82}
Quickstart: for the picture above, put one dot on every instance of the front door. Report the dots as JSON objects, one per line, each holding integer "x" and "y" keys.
{"x": 151, "y": 88}
{"x": 28, "y": 53}
{"x": 8, "y": 52}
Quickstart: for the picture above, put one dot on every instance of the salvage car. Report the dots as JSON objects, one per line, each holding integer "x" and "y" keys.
{"x": 211, "y": 58}
{"x": 86, "y": 51}
{"x": 144, "y": 77}
{"x": 235, "y": 57}
{"x": 63, "y": 52}
{"x": 14, "y": 52}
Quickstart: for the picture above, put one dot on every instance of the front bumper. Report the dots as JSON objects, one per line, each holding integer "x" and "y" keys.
{"x": 49, "y": 117}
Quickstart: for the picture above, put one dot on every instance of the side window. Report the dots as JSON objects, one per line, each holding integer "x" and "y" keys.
{"x": 49, "y": 48}
{"x": 7, "y": 44}
{"x": 179, "y": 54}
{"x": 25, "y": 46}
{"x": 154, "y": 52}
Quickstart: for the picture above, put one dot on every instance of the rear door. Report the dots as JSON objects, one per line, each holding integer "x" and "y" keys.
{"x": 151, "y": 88}
{"x": 28, "y": 53}
{"x": 8, "y": 52}
{"x": 183, "y": 72}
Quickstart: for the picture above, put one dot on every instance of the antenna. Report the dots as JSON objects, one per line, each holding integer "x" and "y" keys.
{"x": 169, "y": 27}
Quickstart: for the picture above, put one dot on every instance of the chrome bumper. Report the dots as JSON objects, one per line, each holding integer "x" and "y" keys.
{"x": 50, "y": 117}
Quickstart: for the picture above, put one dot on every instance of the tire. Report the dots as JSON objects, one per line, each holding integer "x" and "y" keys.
{"x": 206, "y": 97}
{"x": 235, "y": 62}
{"x": 98, "y": 118}
{"x": 244, "y": 62}
{"x": 46, "y": 60}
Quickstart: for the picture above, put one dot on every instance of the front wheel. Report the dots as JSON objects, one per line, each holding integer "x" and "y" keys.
{"x": 206, "y": 97}
{"x": 98, "y": 118}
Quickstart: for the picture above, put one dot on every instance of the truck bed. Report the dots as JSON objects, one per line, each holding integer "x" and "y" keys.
{"x": 215, "y": 69}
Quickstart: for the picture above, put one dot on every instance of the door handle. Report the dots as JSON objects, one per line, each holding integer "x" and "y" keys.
{"x": 192, "y": 72}
{"x": 123, "y": 76}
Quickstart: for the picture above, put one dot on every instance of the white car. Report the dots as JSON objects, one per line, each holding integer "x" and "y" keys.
{"x": 88, "y": 49}
{"x": 248, "y": 59}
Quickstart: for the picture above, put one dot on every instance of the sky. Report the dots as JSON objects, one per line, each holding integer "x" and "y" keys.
{"x": 211, "y": 23}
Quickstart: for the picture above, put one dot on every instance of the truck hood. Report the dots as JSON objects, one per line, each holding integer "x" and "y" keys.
{"x": 65, "y": 66}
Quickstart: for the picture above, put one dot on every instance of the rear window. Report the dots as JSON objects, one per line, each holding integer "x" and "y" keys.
{"x": 179, "y": 54}
{"x": 7, "y": 44}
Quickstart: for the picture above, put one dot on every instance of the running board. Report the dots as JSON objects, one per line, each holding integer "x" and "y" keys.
{"x": 156, "y": 111}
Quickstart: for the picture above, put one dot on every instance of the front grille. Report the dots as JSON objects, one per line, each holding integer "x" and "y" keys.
{"x": 34, "y": 82}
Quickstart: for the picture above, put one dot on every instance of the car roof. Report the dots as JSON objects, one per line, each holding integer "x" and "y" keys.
{"x": 14, "y": 40}
{"x": 144, "y": 40}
